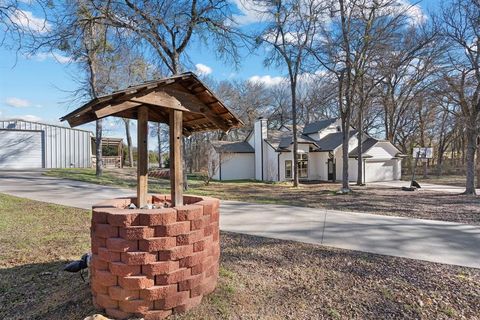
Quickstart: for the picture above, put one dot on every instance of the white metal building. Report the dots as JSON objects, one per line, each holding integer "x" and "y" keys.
{"x": 30, "y": 145}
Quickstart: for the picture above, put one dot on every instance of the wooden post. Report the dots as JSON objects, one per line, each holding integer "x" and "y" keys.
{"x": 142, "y": 162}
{"x": 176, "y": 170}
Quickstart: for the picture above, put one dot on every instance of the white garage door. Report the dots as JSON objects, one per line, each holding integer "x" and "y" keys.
{"x": 380, "y": 170}
{"x": 21, "y": 149}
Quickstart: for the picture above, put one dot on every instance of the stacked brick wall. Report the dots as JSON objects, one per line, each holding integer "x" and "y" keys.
{"x": 152, "y": 263}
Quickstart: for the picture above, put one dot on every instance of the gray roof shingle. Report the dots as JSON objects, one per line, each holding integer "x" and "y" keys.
{"x": 366, "y": 145}
{"x": 332, "y": 141}
{"x": 317, "y": 125}
{"x": 232, "y": 147}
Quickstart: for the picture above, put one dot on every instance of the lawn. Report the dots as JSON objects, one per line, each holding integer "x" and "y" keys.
{"x": 260, "y": 278}
{"x": 376, "y": 200}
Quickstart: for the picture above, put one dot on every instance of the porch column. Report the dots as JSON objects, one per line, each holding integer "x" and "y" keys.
{"x": 176, "y": 163}
{"x": 142, "y": 165}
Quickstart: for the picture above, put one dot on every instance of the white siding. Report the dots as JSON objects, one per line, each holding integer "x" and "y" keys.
{"x": 21, "y": 149}
{"x": 352, "y": 144}
{"x": 235, "y": 166}
{"x": 270, "y": 157}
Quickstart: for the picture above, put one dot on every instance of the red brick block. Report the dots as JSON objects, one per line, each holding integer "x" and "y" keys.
{"x": 105, "y": 254}
{"x": 208, "y": 230}
{"x": 138, "y": 258}
{"x": 194, "y": 259}
{"x": 105, "y": 278}
{"x": 188, "y": 213}
{"x": 216, "y": 233}
{"x": 118, "y": 314}
{"x": 200, "y": 223}
{"x": 105, "y": 231}
{"x": 202, "y": 267}
{"x": 99, "y": 216}
{"x": 120, "y": 294}
{"x": 98, "y": 243}
{"x": 98, "y": 288}
{"x": 136, "y": 233}
{"x": 199, "y": 245}
{"x": 134, "y": 306}
{"x": 157, "y": 244}
{"x": 156, "y": 314}
{"x": 212, "y": 271}
{"x": 135, "y": 282}
{"x": 172, "y": 230}
{"x": 208, "y": 285}
{"x": 158, "y": 199}
{"x": 190, "y": 283}
{"x": 189, "y": 238}
{"x": 160, "y": 267}
{"x": 188, "y": 305}
{"x": 173, "y": 277}
{"x": 97, "y": 263}
{"x": 123, "y": 218}
{"x": 121, "y": 245}
{"x": 158, "y": 217}
{"x": 123, "y": 270}
{"x": 208, "y": 206}
{"x": 157, "y": 292}
{"x": 215, "y": 216}
{"x": 175, "y": 253}
{"x": 172, "y": 301}
{"x": 105, "y": 301}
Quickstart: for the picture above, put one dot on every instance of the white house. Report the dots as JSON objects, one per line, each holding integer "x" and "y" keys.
{"x": 268, "y": 155}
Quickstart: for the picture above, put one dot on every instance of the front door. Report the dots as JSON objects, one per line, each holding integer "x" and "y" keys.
{"x": 331, "y": 170}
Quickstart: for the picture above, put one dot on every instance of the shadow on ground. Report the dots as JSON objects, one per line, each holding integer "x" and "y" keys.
{"x": 43, "y": 291}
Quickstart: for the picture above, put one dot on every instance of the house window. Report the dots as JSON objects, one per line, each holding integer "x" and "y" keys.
{"x": 288, "y": 169}
{"x": 302, "y": 165}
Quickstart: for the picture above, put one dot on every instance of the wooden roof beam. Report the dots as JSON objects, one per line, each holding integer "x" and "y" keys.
{"x": 194, "y": 104}
{"x": 160, "y": 99}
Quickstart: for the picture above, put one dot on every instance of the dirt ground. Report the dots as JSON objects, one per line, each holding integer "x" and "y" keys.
{"x": 260, "y": 278}
{"x": 376, "y": 200}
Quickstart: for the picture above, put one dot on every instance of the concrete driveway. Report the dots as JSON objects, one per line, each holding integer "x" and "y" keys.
{"x": 435, "y": 241}
{"x": 424, "y": 186}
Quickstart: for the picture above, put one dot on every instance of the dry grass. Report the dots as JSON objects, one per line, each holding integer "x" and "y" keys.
{"x": 376, "y": 200}
{"x": 259, "y": 278}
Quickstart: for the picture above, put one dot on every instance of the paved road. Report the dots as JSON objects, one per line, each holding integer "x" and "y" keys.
{"x": 436, "y": 241}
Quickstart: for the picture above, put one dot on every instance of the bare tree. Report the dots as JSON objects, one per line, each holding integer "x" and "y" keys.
{"x": 460, "y": 26}
{"x": 290, "y": 32}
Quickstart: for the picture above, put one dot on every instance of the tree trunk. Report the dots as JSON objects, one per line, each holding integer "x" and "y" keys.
{"x": 129, "y": 141}
{"x": 98, "y": 148}
{"x": 345, "y": 138}
{"x": 360, "y": 149}
{"x": 470, "y": 161}
{"x": 159, "y": 141}
{"x": 293, "y": 88}
{"x": 478, "y": 161}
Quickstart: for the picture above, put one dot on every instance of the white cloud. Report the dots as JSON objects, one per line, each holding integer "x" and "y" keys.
{"x": 267, "y": 80}
{"x": 29, "y": 22}
{"x": 29, "y": 117}
{"x": 42, "y": 56}
{"x": 202, "y": 69}
{"x": 250, "y": 12}
{"x": 414, "y": 12}
{"x": 17, "y": 102}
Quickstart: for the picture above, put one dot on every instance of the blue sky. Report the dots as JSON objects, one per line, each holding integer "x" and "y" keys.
{"x": 39, "y": 88}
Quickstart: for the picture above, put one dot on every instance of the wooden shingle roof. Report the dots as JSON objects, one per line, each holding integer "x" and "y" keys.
{"x": 201, "y": 109}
